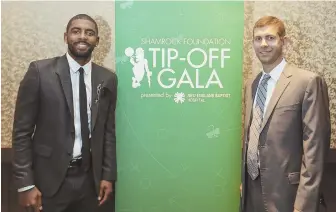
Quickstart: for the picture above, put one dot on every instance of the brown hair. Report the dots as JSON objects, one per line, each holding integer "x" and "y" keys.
{"x": 271, "y": 20}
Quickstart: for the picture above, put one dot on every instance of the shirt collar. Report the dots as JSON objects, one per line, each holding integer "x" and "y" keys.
{"x": 74, "y": 66}
{"x": 276, "y": 72}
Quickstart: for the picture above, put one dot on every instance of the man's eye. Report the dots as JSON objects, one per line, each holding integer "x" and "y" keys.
{"x": 90, "y": 33}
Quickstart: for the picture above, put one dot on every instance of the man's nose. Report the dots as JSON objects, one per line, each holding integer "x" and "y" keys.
{"x": 83, "y": 36}
{"x": 263, "y": 42}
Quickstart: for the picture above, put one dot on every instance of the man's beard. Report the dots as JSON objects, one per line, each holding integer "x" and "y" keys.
{"x": 79, "y": 54}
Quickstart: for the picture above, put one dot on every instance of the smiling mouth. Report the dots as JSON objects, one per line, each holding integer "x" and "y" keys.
{"x": 82, "y": 45}
{"x": 265, "y": 52}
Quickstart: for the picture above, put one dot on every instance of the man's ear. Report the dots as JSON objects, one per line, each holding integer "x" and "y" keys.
{"x": 65, "y": 38}
{"x": 287, "y": 41}
{"x": 97, "y": 41}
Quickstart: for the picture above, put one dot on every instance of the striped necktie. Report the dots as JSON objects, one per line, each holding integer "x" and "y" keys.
{"x": 257, "y": 119}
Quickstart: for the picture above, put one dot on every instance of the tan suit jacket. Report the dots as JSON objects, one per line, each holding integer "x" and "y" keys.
{"x": 293, "y": 142}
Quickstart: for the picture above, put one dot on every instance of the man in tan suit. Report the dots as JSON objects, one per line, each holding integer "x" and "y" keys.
{"x": 287, "y": 130}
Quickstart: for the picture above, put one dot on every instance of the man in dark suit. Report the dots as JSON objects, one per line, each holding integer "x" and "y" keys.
{"x": 287, "y": 129}
{"x": 64, "y": 127}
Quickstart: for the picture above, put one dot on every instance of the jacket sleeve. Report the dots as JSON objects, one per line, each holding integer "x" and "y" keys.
{"x": 109, "y": 159}
{"x": 316, "y": 141}
{"x": 25, "y": 116}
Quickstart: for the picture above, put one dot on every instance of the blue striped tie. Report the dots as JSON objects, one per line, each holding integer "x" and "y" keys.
{"x": 257, "y": 119}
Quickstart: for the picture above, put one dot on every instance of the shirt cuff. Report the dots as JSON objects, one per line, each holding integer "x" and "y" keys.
{"x": 26, "y": 188}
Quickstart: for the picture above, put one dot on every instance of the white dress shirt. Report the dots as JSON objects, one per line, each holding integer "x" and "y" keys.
{"x": 275, "y": 75}
{"x": 74, "y": 75}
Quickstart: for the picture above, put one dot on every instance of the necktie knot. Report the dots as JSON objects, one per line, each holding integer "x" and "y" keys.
{"x": 81, "y": 70}
{"x": 265, "y": 78}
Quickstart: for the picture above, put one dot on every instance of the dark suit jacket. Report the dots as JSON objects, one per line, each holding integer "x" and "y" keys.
{"x": 293, "y": 142}
{"x": 44, "y": 133}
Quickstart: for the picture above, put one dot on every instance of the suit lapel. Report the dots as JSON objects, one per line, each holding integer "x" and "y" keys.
{"x": 280, "y": 87}
{"x": 95, "y": 81}
{"x": 63, "y": 72}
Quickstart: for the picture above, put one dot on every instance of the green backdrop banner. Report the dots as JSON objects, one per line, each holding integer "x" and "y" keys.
{"x": 179, "y": 105}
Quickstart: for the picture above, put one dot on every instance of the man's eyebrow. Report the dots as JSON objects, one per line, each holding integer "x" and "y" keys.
{"x": 84, "y": 29}
{"x": 268, "y": 34}
{"x": 74, "y": 28}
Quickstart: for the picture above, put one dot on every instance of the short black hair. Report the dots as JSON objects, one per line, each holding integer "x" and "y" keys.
{"x": 84, "y": 17}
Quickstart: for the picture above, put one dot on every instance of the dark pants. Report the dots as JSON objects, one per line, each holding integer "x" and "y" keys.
{"x": 254, "y": 200}
{"x": 76, "y": 194}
